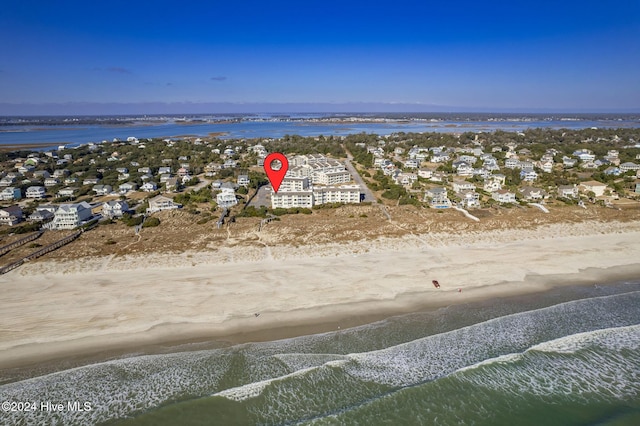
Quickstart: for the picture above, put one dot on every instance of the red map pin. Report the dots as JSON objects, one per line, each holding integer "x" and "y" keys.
{"x": 276, "y": 176}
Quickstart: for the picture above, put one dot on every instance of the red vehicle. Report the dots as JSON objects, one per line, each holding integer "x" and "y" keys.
{"x": 436, "y": 284}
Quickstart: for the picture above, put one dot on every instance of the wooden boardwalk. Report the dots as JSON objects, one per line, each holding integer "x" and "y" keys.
{"x": 41, "y": 252}
{"x": 7, "y": 248}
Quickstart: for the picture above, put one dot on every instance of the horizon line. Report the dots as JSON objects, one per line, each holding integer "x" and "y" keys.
{"x": 202, "y": 108}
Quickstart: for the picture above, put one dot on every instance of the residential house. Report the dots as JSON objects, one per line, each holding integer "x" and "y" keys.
{"x": 173, "y": 184}
{"x": 145, "y": 170}
{"x": 226, "y": 198}
{"x": 596, "y": 187}
{"x": 584, "y": 155}
{"x": 149, "y": 187}
{"x": 528, "y": 175}
{"x": 164, "y": 170}
{"x": 59, "y": 173}
{"x": 159, "y": 203}
{"x": 491, "y": 164}
{"x": 36, "y": 192}
{"x": 49, "y": 182}
{"x": 67, "y": 192}
{"x": 41, "y": 174}
{"x": 512, "y": 163}
{"x": 405, "y": 179}
{"x": 230, "y": 164}
{"x": 461, "y": 186}
{"x": 26, "y": 169}
{"x": 527, "y": 166}
{"x": 70, "y": 216}
{"x": 530, "y": 193}
{"x": 628, "y": 166}
{"x": 71, "y": 180}
{"x": 469, "y": 199}
{"x": 568, "y": 191}
{"x": 569, "y": 162}
{"x": 212, "y": 168}
{"x": 42, "y": 214}
{"x": 504, "y": 196}
{"x": 614, "y": 171}
{"x": 491, "y": 185}
{"x": 546, "y": 166}
{"x": 7, "y": 181}
{"x": 440, "y": 158}
{"x": 411, "y": 164}
{"x": 438, "y": 176}
{"x": 102, "y": 189}
{"x": 91, "y": 181}
{"x": 10, "y": 193}
{"x": 127, "y": 187}
{"x": 425, "y": 173}
{"x": 437, "y": 198}
{"x": 10, "y": 215}
{"x": 243, "y": 180}
{"x": 115, "y": 208}
{"x": 464, "y": 169}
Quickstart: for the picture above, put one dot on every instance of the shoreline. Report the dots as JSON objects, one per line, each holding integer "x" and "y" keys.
{"x": 171, "y": 339}
{"x": 100, "y": 310}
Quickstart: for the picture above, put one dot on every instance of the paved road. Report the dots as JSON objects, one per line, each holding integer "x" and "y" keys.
{"x": 262, "y": 198}
{"x": 203, "y": 182}
{"x": 368, "y": 195}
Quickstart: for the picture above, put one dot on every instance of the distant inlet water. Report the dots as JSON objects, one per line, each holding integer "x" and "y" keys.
{"x": 81, "y": 134}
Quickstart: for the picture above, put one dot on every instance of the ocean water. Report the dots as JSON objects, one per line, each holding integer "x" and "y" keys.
{"x": 570, "y": 356}
{"x": 81, "y": 134}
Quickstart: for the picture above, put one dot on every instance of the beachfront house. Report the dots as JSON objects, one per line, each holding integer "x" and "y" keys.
{"x": 596, "y": 187}
{"x": 568, "y": 191}
{"x": 159, "y": 203}
{"x": 70, "y": 216}
{"x": 530, "y": 193}
{"x": 469, "y": 199}
{"x": 226, "y": 198}
{"x": 504, "y": 196}
{"x": 437, "y": 198}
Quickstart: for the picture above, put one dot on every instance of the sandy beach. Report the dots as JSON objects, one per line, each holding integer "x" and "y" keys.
{"x": 52, "y": 309}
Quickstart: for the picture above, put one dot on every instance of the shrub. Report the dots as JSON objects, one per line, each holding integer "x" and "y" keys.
{"x": 151, "y": 222}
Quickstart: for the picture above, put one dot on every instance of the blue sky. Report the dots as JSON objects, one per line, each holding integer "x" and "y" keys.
{"x": 410, "y": 55}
